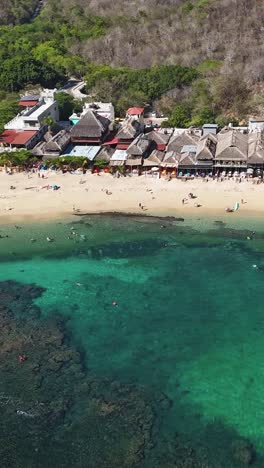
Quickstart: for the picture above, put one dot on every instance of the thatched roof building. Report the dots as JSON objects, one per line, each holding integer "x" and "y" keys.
{"x": 128, "y": 131}
{"x": 171, "y": 159}
{"x": 104, "y": 154}
{"x": 160, "y": 138}
{"x": 232, "y": 146}
{"x": 177, "y": 141}
{"x": 154, "y": 159}
{"x": 91, "y": 128}
{"x": 139, "y": 146}
{"x": 206, "y": 147}
{"x": 54, "y": 147}
{"x": 256, "y": 148}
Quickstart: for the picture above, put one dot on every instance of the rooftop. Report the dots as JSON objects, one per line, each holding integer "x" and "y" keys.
{"x": 16, "y": 137}
{"x": 85, "y": 151}
{"x": 119, "y": 155}
{"x": 135, "y": 111}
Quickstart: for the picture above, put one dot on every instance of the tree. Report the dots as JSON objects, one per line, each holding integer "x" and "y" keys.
{"x": 67, "y": 104}
{"x": 50, "y": 122}
{"x": 180, "y": 116}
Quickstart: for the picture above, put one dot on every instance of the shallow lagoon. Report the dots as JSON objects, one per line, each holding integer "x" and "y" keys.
{"x": 188, "y": 322}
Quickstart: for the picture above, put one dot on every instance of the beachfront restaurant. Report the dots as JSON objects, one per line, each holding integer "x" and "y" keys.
{"x": 117, "y": 160}
{"x": 135, "y": 153}
{"x": 255, "y": 162}
{"x": 231, "y": 153}
{"x": 151, "y": 165}
{"x": 102, "y": 159}
{"x": 169, "y": 164}
{"x": 82, "y": 151}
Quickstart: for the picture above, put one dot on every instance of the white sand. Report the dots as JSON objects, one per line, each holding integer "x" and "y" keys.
{"x": 126, "y": 194}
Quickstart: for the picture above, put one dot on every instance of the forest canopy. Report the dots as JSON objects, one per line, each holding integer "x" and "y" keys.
{"x": 173, "y": 55}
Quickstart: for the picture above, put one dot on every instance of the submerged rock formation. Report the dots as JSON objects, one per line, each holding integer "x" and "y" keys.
{"x": 51, "y": 405}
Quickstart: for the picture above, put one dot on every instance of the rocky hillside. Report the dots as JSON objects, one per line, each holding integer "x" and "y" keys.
{"x": 142, "y": 33}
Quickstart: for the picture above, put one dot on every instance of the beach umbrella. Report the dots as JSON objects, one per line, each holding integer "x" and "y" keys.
{"x": 250, "y": 170}
{"x": 154, "y": 168}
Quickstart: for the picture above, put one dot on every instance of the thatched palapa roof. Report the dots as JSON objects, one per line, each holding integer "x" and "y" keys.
{"x": 177, "y": 142}
{"x": 104, "y": 154}
{"x": 154, "y": 159}
{"x": 139, "y": 146}
{"x": 256, "y": 148}
{"x": 171, "y": 159}
{"x": 206, "y": 147}
{"x": 160, "y": 138}
{"x": 91, "y": 125}
{"x": 129, "y": 129}
{"x": 232, "y": 146}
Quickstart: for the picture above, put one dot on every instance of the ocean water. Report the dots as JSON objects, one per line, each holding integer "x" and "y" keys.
{"x": 172, "y": 309}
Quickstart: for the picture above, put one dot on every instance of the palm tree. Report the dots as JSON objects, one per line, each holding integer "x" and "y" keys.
{"x": 50, "y": 122}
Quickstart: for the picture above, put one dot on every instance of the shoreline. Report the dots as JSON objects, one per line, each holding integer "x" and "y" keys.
{"x": 80, "y": 195}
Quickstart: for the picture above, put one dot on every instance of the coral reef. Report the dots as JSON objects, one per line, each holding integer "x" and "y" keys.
{"x": 51, "y": 404}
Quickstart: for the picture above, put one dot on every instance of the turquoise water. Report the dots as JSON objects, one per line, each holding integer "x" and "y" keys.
{"x": 188, "y": 323}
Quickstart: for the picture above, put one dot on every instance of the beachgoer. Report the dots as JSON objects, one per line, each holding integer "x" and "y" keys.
{"x": 139, "y": 205}
{"x": 183, "y": 201}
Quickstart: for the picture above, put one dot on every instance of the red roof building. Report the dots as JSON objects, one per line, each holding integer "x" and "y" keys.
{"x": 19, "y": 138}
{"x": 135, "y": 111}
{"x": 27, "y": 103}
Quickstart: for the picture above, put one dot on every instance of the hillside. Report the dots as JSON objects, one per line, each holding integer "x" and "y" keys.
{"x": 147, "y": 32}
{"x": 221, "y": 40}
{"x": 16, "y": 11}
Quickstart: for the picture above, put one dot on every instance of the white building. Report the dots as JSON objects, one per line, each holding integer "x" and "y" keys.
{"x": 255, "y": 125}
{"x": 104, "y": 109}
{"x": 32, "y": 117}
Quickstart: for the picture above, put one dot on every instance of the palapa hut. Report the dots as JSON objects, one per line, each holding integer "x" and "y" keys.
{"x": 104, "y": 154}
{"x": 205, "y": 152}
{"x": 91, "y": 128}
{"x": 158, "y": 139}
{"x": 153, "y": 161}
{"x": 170, "y": 163}
{"x": 256, "y": 150}
{"x": 179, "y": 140}
{"x": 136, "y": 151}
{"x": 128, "y": 131}
{"x": 187, "y": 161}
{"x": 231, "y": 150}
{"x": 54, "y": 147}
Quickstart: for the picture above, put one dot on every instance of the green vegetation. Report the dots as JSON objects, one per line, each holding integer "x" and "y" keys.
{"x": 67, "y": 161}
{"x": 8, "y": 108}
{"x": 17, "y": 11}
{"x": 126, "y": 87}
{"x": 67, "y": 105}
{"x": 68, "y": 39}
{"x": 22, "y": 158}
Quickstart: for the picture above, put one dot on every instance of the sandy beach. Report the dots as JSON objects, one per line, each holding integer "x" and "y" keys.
{"x": 31, "y": 200}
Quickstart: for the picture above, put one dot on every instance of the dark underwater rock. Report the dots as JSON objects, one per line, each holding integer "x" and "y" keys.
{"x": 51, "y": 405}
{"x": 243, "y": 452}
